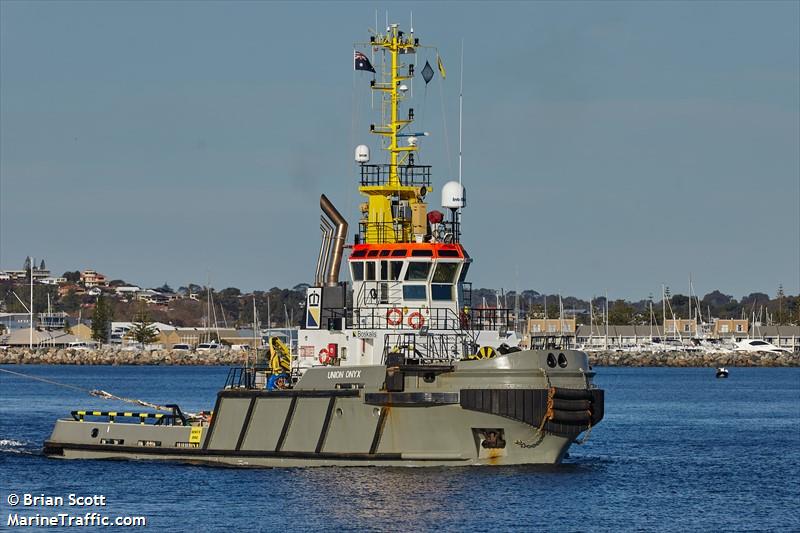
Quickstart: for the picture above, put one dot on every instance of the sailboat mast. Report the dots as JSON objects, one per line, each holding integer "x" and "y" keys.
{"x": 30, "y": 345}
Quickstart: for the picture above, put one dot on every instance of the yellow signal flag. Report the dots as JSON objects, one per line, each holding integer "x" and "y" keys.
{"x": 441, "y": 66}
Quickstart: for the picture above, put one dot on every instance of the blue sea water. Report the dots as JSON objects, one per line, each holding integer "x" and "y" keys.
{"x": 678, "y": 450}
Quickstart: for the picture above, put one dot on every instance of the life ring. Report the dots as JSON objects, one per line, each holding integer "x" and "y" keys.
{"x": 325, "y": 357}
{"x": 416, "y": 320}
{"x": 394, "y": 316}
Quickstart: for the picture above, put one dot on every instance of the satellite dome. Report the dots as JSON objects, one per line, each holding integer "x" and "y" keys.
{"x": 362, "y": 153}
{"x": 453, "y": 195}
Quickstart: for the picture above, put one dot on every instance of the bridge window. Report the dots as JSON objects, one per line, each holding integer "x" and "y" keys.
{"x": 414, "y": 292}
{"x": 398, "y": 253}
{"x": 384, "y": 270}
{"x": 418, "y": 271}
{"x": 464, "y": 271}
{"x": 445, "y": 272}
{"x": 396, "y": 268}
{"x": 370, "y": 271}
{"x": 421, "y": 253}
{"x": 442, "y": 292}
{"x": 384, "y": 253}
{"x": 448, "y": 253}
{"x": 359, "y": 253}
{"x": 358, "y": 271}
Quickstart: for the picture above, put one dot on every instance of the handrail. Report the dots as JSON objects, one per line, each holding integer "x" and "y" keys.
{"x": 409, "y": 175}
{"x": 428, "y": 349}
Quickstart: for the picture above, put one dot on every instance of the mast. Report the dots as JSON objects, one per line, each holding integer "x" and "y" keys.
{"x": 30, "y": 345}
{"x": 393, "y": 190}
{"x": 460, "y": 114}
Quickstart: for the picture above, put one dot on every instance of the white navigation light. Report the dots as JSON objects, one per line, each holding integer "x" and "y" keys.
{"x": 362, "y": 153}
{"x": 412, "y": 141}
{"x": 453, "y": 195}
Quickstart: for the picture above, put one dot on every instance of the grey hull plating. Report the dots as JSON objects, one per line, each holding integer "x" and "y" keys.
{"x": 472, "y": 413}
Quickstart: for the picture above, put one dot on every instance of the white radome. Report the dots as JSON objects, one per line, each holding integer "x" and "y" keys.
{"x": 453, "y": 195}
{"x": 362, "y": 153}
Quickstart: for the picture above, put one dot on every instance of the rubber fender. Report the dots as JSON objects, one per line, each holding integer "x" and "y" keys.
{"x": 505, "y": 348}
{"x": 572, "y": 417}
{"x": 571, "y": 405}
{"x": 572, "y": 394}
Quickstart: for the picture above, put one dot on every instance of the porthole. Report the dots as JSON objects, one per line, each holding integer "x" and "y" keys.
{"x": 429, "y": 377}
{"x": 339, "y": 412}
{"x": 562, "y": 360}
{"x": 95, "y": 432}
{"x": 551, "y": 360}
{"x": 376, "y": 411}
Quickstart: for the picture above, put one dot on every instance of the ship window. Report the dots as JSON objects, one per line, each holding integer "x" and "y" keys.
{"x": 358, "y": 271}
{"x": 370, "y": 271}
{"x": 464, "y": 271}
{"x": 421, "y": 253}
{"x": 418, "y": 271}
{"x": 399, "y": 253}
{"x": 372, "y": 253}
{"x": 397, "y": 266}
{"x": 441, "y": 292}
{"x": 445, "y": 272}
{"x": 448, "y": 253}
{"x": 384, "y": 253}
{"x": 384, "y": 270}
{"x": 414, "y": 292}
{"x": 359, "y": 253}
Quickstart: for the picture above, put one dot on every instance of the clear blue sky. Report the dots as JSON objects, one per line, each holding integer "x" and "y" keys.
{"x": 607, "y": 145}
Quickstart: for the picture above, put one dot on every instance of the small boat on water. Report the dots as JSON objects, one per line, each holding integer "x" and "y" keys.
{"x": 401, "y": 370}
{"x": 722, "y": 372}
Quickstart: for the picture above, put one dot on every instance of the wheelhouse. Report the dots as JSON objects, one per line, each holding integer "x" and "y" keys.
{"x": 410, "y": 275}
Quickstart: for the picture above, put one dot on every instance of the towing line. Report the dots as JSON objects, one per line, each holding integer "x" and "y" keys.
{"x": 98, "y": 393}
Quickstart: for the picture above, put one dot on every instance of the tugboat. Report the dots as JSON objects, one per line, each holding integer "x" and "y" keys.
{"x": 397, "y": 368}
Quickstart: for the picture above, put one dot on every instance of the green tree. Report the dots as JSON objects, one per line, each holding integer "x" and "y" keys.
{"x": 70, "y": 302}
{"x": 782, "y": 315}
{"x": 143, "y": 331}
{"x": 72, "y": 277}
{"x": 101, "y": 320}
{"x": 621, "y": 313}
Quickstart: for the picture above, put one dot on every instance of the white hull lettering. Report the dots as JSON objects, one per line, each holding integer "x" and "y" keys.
{"x": 344, "y": 374}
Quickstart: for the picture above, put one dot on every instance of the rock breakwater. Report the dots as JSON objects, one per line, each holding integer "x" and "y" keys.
{"x": 694, "y": 359}
{"x": 117, "y": 356}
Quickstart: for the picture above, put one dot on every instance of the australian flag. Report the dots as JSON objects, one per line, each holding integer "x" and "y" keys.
{"x": 361, "y": 62}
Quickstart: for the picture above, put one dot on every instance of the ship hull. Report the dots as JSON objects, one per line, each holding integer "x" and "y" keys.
{"x": 489, "y": 412}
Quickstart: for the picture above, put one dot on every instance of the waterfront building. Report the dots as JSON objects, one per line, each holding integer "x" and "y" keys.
{"x": 550, "y": 326}
{"x": 92, "y": 278}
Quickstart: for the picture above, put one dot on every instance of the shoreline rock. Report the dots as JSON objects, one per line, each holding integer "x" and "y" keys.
{"x": 115, "y": 356}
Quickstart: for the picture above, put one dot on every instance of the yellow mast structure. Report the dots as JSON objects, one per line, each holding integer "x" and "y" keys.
{"x": 393, "y": 193}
